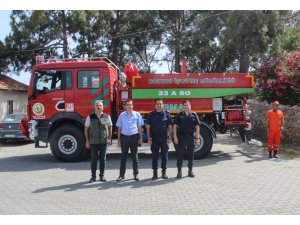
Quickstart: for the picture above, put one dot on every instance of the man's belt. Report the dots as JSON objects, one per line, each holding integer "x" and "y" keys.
{"x": 129, "y": 135}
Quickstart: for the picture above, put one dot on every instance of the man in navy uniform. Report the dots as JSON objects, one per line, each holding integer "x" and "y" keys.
{"x": 157, "y": 125}
{"x": 185, "y": 125}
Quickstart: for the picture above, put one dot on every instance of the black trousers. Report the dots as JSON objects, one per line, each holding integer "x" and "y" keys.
{"x": 248, "y": 135}
{"x": 185, "y": 145}
{"x": 162, "y": 144}
{"x": 98, "y": 150}
{"x": 242, "y": 133}
{"x": 129, "y": 142}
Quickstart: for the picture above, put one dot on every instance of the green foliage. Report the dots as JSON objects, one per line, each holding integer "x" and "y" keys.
{"x": 2, "y": 60}
{"x": 247, "y": 34}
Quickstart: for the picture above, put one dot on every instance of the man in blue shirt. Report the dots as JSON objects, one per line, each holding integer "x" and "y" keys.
{"x": 157, "y": 125}
{"x": 130, "y": 134}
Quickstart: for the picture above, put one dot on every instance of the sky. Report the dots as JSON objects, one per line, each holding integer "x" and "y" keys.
{"x": 4, "y": 18}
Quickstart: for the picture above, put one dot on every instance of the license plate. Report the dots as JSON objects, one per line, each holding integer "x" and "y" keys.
{"x": 9, "y": 135}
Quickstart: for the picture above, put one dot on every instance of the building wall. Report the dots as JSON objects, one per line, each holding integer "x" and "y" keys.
{"x": 19, "y": 99}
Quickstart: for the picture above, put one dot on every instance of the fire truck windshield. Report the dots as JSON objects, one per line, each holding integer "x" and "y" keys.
{"x": 47, "y": 81}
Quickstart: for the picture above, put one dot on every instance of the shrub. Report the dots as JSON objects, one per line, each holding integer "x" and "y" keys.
{"x": 278, "y": 78}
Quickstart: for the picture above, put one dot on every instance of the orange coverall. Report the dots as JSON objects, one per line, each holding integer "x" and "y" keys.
{"x": 275, "y": 122}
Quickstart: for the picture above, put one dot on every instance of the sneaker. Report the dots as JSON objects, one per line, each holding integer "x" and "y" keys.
{"x": 92, "y": 180}
{"x": 121, "y": 178}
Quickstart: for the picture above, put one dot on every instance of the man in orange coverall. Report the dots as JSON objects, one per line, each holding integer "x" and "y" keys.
{"x": 275, "y": 121}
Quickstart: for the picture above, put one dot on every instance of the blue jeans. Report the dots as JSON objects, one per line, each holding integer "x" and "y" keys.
{"x": 129, "y": 142}
{"x": 95, "y": 150}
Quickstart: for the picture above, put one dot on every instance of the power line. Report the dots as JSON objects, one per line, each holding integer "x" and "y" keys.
{"x": 119, "y": 36}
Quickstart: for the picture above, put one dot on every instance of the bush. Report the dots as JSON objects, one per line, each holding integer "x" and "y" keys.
{"x": 278, "y": 78}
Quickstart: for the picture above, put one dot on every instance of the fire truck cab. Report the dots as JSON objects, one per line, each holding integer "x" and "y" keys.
{"x": 61, "y": 95}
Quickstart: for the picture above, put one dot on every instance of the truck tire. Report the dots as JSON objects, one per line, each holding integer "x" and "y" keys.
{"x": 206, "y": 143}
{"x": 67, "y": 143}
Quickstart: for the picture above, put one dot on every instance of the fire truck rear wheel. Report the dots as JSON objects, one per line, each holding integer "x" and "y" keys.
{"x": 206, "y": 143}
{"x": 67, "y": 143}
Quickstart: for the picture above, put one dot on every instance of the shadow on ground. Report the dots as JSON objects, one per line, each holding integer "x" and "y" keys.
{"x": 225, "y": 148}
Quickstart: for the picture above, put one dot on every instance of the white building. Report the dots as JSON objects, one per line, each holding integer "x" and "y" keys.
{"x": 13, "y": 96}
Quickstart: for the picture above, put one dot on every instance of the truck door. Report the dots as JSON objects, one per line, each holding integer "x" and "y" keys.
{"x": 90, "y": 87}
{"x": 48, "y": 97}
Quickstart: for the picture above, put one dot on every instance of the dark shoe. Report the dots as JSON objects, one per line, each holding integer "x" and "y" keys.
{"x": 92, "y": 180}
{"x": 179, "y": 174}
{"x": 191, "y": 174}
{"x": 270, "y": 155}
{"x": 121, "y": 178}
{"x": 164, "y": 174}
{"x": 136, "y": 177}
{"x": 102, "y": 178}
{"x": 154, "y": 175}
{"x": 274, "y": 155}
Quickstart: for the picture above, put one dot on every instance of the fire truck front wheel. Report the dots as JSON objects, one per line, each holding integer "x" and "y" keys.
{"x": 67, "y": 143}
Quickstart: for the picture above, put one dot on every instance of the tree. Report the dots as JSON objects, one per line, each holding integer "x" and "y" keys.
{"x": 89, "y": 32}
{"x": 144, "y": 39}
{"x": 203, "y": 50}
{"x": 36, "y": 32}
{"x": 247, "y": 35}
{"x": 176, "y": 25}
{"x": 2, "y": 59}
{"x": 289, "y": 39}
{"x": 211, "y": 41}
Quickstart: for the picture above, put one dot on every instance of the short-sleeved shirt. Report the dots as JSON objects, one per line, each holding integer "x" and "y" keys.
{"x": 130, "y": 123}
{"x": 88, "y": 120}
{"x": 275, "y": 119}
{"x": 159, "y": 122}
{"x": 187, "y": 123}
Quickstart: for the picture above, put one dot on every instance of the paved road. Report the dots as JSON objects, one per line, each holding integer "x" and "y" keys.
{"x": 234, "y": 179}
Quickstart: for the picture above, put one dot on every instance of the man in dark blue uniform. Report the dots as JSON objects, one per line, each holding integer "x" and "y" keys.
{"x": 157, "y": 126}
{"x": 185, "y": 125}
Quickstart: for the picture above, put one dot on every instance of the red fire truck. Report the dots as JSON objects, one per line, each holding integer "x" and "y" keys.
{"x": 62, "y": 94}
